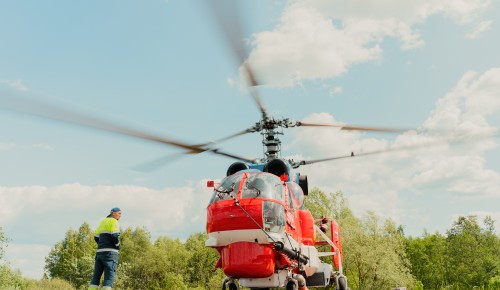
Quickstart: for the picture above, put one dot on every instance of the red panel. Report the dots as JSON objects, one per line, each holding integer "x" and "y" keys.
{"x": 247, "y": 260}
{"x": 307, "y": 227}
{"x": 226, "y": 216}
{"x": 335, "y": 237}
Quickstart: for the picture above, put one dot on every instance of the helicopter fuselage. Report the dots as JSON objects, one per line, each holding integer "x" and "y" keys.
{"x": 257, "y": 223}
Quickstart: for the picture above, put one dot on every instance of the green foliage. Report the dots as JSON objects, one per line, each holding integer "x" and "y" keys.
{"x": 215, "y": 281}
{"x": 428, "y": 258}
{"x": 494, "y": 283}
{"x": 10, "y": 279}
{"x": 166, "y": 264}
{"x": 174, "y": 281}
{"x": 3, "y": 243}
{"x": 202, "y": 260}
{"x": 468, "y": 257}
{"x": 73, "y": 258}
{"x": 471, "y": 247}
{"x": 52, "y": 284}
{"x": 151, "y": 266}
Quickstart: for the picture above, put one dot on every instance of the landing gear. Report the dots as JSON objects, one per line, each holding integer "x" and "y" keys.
{"x": 291, "y": 285}
{"x": 342, "y": 283}
{"x": 229, "y": 284}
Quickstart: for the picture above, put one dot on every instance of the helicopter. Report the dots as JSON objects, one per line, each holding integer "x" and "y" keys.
{"x": 257, "y": 222}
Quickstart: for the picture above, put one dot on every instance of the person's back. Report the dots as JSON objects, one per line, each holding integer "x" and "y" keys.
{"x": 107, "y": 237}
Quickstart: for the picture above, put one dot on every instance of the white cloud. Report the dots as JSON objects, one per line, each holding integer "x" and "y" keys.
{"x": 322, "y": 39}
{"x": 28, "y": 257}
{"x": 479, "y": 29}
{"x": 335, "y": 90}
{"x": 379, "y": 182}
{"x": 17, "y": 84}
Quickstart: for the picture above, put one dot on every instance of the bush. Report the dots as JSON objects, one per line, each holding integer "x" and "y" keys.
{"x": 52, "y": 284}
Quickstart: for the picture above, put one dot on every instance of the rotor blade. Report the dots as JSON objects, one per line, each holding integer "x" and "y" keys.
{"x": 228, "y": 19}
{"x": 452, "y": 140}
{"x": 354, "y": 128}
{"x": 246, "y": 131}
{"x": 157, "y": 163}
{"x": 237, "y": 157}
{"x": 163, "y": 161}
{"x": 22, "y": 104}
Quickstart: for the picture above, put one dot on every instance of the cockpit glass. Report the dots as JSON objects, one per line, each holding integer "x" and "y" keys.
{"x": 273, "y": 216}
{"x": 257, "y": 185}
{"x": 263, "y": 185}
{"x": 228, "y": 185}
{"x": 297, "y": 193}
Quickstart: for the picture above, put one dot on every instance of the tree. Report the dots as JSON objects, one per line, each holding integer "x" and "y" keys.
{"x": 3, "y": 243}
{"x": 72, "y": 259}
{"x": 473, "y": 253}
{"x": 202, "y": 260}
{"x": 145, "y": 265}
{"x": 428, "y": 259}
{"x": 9, "y": 279}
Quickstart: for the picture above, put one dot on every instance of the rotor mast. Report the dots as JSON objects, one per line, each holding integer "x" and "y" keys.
{"x": 270, "y": 129}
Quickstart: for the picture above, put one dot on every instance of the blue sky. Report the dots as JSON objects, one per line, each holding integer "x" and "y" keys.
{"x": 165, "y": 67}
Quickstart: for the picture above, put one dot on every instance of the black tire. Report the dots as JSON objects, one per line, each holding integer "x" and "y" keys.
{"x": 232, "y": 286}
{"x": 342, "y": 283}
{"x": 291, "y": 285}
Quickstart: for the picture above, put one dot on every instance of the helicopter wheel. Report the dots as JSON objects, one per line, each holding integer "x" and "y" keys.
{"x": 342, "y": 283}
{"x": 291, "y": 285}
{"x": 229, "y": 284}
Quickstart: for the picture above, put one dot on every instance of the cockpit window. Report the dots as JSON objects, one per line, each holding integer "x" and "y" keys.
{"x": 297, "y": 193}
{"x": 257, "y": 185}
{"x": 229, "y": 184}
{"x": 263, "y": 185}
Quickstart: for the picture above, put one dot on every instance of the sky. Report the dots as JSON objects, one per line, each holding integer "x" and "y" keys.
{"x": 165, "y": 67}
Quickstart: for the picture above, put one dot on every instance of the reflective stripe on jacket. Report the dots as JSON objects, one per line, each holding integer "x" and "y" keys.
{"x": 107, "y": 235}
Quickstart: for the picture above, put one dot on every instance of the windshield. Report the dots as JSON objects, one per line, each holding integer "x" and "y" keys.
{"x": 263, "y": 185}
{"x": 257, "y": 185}
{"x": 228, "y": 185}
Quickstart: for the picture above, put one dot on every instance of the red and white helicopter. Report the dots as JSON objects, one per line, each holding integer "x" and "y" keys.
{"x": 257, "y": 222}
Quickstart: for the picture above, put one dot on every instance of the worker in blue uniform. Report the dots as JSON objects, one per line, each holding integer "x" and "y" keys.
{"x": 107, "y": 237}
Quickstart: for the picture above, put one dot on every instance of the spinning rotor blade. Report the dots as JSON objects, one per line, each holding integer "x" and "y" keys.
{"x": 162, "y": 161}
{"x": 353, "y": 127}
{"x": 453, "y": 140}
{"x": 157, "y": 163}
{"x": 23, "y": 104}
{"x": 246, "y": 131}
{"x": 227, "y": 15}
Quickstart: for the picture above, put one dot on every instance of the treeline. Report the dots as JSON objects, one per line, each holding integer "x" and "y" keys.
{"x": 377, "y": 255}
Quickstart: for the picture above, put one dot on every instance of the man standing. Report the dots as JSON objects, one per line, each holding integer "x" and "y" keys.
{"x": 107, "y": 237}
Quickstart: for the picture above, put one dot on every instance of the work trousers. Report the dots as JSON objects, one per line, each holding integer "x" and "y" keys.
{"x": 105, "y": 262}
